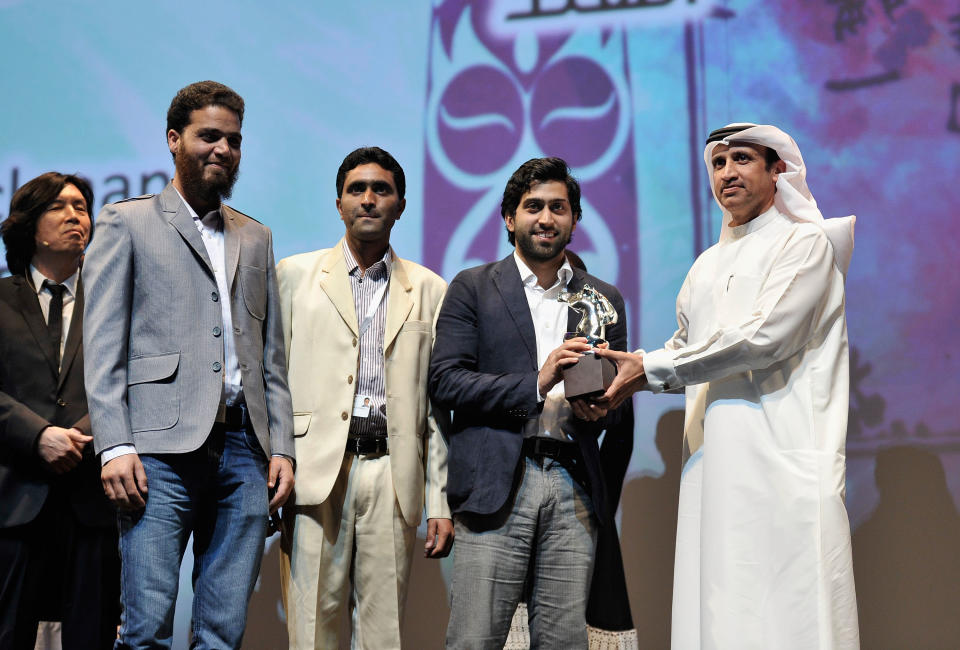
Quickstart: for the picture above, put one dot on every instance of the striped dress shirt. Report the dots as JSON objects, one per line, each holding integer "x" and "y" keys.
{"x": 370, "y": 372}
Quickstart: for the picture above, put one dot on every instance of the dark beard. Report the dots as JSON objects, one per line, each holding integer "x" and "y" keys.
{"x": 532, "y": 251}
{"x": 196, "y": 189}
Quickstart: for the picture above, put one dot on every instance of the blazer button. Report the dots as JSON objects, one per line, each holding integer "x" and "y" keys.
{"x": 60, "y": 402}
{"x": 214, "y": 296}
{"x": 343, "y": 415}
{"x": 354, "y": 342}
{"x": 216, "y": 331}
{"x": 216, "y": 366}
{"x": 349, "y": 379}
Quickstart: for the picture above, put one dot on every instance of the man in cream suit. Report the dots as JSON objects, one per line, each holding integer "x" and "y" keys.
{"x": 187, "y": 386}
{"x": 357, "y": 322}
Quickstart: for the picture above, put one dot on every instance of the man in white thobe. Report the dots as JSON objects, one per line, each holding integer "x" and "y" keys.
{"x": 763, "y": 554}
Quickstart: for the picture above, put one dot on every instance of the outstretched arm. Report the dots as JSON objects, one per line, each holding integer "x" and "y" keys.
{"x": 802, "y": 294}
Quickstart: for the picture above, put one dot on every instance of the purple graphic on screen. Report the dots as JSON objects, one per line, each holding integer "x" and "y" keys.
{"x": 883, "y": 142}
{"x": 494, "y": 102}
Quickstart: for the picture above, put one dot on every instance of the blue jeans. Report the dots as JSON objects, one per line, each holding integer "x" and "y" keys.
{"x": 218, "y": 493}
{"x": 546, "y": 534}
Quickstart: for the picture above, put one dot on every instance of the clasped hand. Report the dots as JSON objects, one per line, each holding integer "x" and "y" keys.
{"x": 551, "y": 374}
{"x": 62, "y": 449}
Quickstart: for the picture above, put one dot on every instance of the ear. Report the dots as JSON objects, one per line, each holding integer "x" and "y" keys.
{"x": 173, "y": 141}
{"x": 339, "y": 208}
{"x": 779, "y": 167}
{"x": 401, "y": 206}
{"x": 510, "y": 220}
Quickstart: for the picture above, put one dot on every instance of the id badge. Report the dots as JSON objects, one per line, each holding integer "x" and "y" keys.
{"x": 361, "y": 406}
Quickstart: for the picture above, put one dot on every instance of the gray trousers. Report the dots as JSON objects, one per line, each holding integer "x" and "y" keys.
{"x": 544, "y": 537}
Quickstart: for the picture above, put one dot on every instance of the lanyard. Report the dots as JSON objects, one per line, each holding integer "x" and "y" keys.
{"x": 374, "y": 305}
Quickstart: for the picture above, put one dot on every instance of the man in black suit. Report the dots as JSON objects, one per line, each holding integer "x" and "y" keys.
{"x": 524, "y": 480}
{"x": 58, "y": 533}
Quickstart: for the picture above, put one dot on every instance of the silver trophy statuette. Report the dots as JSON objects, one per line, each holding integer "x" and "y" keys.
{"x": 596, "y": 313}
{"x": 591, "y": 375}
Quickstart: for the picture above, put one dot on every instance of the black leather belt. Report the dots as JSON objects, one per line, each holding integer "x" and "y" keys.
{"x": 541, "y": 447}
{"x": 367, "y": 445}
{"x": 232, "y": 417}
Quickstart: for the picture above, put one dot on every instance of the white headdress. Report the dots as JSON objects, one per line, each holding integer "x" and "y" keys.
{"x": 793, "y": 197}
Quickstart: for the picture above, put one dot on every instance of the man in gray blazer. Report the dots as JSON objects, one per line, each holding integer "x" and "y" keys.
{"x": 186, "y": 382}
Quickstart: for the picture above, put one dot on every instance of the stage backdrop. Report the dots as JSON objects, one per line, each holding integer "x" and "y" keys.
{"x": 463, "y": 91}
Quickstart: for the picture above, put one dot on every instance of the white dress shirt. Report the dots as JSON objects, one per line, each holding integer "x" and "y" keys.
{"x": 550, "y": 324}
{"x": 44, "y": 295}
{"x": 211, "y": 230}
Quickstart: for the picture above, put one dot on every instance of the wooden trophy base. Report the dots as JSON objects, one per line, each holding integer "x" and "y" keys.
{"x": 588, "y": 377}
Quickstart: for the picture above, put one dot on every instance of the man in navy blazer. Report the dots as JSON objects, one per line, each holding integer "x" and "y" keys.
{"x": 524, "y": 480}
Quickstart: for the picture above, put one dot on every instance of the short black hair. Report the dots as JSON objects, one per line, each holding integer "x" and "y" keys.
{"x": 28, "y": 204}
{"x": 200, "y": 95}
{"x": 365, "y": 156}
{"x": 771, "y": 156}
{"x": 533, "y": 172}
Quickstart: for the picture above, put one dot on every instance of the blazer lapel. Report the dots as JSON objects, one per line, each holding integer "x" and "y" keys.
{"x": 506, "y": 277}
{"x": 30, "y": 307}
{"x": 74, "y": 336}
{"x": 231, "y": 244}
{"x": 179, "y": 216}
{"x": 399, "y": 303}
{"x": 335, "y": 282}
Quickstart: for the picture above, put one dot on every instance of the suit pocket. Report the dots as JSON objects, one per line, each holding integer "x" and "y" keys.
{"x": 416, "y": 326}
{"x": 253, "y": 286}
{"x": 301, "y": 422}
{"x": 153, "y": 392}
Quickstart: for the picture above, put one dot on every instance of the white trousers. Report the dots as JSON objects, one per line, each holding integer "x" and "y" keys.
{"x": 353, "y": 550}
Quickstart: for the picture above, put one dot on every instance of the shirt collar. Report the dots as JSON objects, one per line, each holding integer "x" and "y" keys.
{"x": 755, "y": 224}
{"x": 37, "y": 278}
{"x": 352, "y": 264}
{"x": 210, "y": 220}
{"x": 529, "y": 278}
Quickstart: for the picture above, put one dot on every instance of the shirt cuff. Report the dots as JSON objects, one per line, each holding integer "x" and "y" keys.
{"x": 115, "y": 452}
{"x": 659, "y": 369}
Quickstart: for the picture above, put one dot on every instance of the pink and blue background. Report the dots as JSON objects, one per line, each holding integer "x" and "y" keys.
{"x": 462, "y": 92}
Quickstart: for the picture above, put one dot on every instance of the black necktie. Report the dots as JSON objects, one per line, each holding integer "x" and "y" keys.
{"x": 55, "y": 319}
